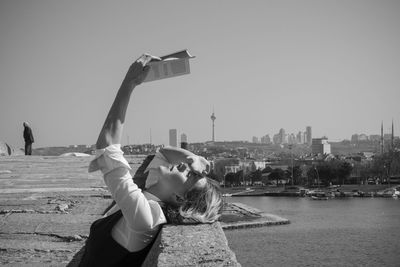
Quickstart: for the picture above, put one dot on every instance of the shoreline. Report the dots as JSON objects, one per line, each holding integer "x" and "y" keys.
{"x": 336, "y": 191}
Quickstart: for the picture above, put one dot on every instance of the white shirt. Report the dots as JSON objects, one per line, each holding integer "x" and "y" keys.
{"x": 142, "y": 214}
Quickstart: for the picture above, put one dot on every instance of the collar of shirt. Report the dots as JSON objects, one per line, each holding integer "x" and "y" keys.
{"x": 150, "y": 196}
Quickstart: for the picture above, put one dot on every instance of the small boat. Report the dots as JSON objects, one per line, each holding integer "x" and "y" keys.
{"x": 319, "y": 197}
{"x": 227, "y": 195}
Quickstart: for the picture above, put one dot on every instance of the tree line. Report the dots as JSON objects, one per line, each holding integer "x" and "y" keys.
{"x": 332, "y": 172}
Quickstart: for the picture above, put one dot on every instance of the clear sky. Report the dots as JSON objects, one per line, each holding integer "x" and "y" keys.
{"x": 262, "y": 66}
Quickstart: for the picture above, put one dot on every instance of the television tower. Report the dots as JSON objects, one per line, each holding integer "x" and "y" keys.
{"x": 213, "y": 125}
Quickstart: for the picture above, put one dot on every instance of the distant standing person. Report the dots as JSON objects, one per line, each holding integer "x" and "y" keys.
{"x": 28, "y": 136}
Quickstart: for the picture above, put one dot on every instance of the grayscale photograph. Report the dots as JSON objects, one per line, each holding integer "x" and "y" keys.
{"x": 200, "y": 133}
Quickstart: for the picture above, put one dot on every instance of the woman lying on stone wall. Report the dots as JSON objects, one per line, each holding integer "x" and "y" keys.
{"x": 176, "y": 189}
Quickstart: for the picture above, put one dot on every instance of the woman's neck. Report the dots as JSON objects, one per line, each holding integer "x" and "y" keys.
{"x": 159, "y": 191}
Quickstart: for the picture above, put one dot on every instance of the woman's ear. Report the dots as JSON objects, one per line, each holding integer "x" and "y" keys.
{"x": 179, "y": 199}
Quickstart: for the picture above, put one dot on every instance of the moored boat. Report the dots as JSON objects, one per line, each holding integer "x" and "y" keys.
{"x": 319, "y": 197}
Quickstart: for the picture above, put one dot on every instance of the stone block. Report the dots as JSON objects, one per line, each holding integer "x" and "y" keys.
{"x": 191, "y": 245}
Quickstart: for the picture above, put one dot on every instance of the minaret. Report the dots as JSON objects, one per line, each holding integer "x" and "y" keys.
{"x": 392, "y": 136}
{"x": 151, "y": 141}
{"x": 213, "y": 126}
{"x": 382, "y": 138}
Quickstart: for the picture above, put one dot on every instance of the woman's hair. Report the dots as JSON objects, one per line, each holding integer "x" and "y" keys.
{"x": 201, "y": 205}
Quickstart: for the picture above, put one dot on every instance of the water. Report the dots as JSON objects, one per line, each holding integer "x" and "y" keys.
{"x": 337, "y": 232}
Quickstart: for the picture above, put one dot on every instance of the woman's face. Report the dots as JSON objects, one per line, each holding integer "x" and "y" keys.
{"x": 181, "y": 179}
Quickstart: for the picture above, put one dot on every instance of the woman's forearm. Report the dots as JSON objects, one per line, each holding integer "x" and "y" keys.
{"x": 176, "y": 155}
{"x": 111, "y": 133}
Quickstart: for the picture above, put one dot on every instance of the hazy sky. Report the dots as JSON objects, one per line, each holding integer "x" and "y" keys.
{"x": 262, "y": 66}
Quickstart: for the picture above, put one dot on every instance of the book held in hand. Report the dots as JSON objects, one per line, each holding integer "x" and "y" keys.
{"x": 169, "y": 66}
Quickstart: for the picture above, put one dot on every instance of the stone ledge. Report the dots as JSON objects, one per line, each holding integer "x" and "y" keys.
{"x": 202, "y": 244}
{"x": 265, "y": 220}
{"x": 249, "y": 217}
{"x": 191, "y": 245}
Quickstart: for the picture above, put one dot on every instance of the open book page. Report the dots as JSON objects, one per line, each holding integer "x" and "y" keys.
{"x": 169, "y": 66}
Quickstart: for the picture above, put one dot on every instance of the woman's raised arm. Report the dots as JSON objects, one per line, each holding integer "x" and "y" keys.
{"x": 111, "y": 132}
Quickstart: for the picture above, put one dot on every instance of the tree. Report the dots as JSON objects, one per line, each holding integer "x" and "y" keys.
{"x": 267, "y": 169}
{"x": 297, "y": 174}
{"x": 312, "y": 175}
{"x": 327, "y": 171}
{"x": 214, "y": 176}
{"x": 395, "y": 166}
{"x": 219, "y": 165}
{"x": 344, "y": 171}
{"x": 239, "y": 176}
{"x": 334, "y": 171}
{"x": 277, "y": 174}
{"x": 230, "y": 179}
{"x": 255, "y": 176}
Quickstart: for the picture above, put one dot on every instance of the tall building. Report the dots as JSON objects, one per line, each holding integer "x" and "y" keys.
{"x": 276, "y": 139}
{"x": 184, "y": 141}
{"x": 354, "y": 138}
{"x": 173, "y": 138}
{"x": 362, "y": 137}
{"x": 374, "y": 137}
{"x": 282, "y": 136}
{"x": 291, "y": 138}
{"x": 184, "y": 138}
{"x": 300, "y": 137}
{"x": 320, "y": 146}
{"x": 255, "y": 139}
{"x": 265, "y": 139}
{"x": 308, "y": 135}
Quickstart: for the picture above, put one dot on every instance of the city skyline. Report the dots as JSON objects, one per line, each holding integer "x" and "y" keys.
{"x": 364, "y": 136}
{"x": 173, "y": 135}
{"x": 332, "y": 65}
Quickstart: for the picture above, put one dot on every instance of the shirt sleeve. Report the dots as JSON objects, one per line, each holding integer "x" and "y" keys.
{"x": 134, "y": 205}
{"x": 108, "y": 159}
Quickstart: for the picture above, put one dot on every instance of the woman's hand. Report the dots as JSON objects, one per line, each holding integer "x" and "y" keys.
{"x": 175, "y": 156}
{"x": 138, "y": 70}
{"x": 198, "y": 164}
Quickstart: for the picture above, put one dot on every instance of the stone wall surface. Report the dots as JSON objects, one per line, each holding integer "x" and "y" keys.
{"x": 47, "y": 205}
{"x": 191, "y": 245}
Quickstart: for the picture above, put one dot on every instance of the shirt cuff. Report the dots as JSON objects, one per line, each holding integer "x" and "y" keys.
{"x": 108, "y": 159}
